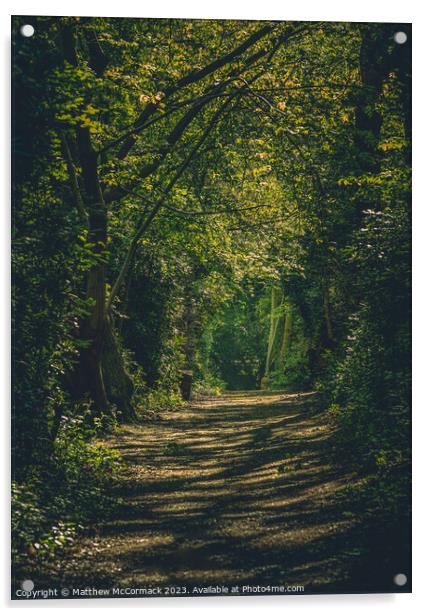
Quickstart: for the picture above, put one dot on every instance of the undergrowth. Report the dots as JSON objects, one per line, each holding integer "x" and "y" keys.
{"x": 54, "y": 503}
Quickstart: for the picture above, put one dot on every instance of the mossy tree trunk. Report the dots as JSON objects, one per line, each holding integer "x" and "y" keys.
{"x": 100, "y": 372}
{"x": 275, "y": 302}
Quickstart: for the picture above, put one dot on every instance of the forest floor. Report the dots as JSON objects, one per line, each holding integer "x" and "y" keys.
{"x": 232, "y": 490}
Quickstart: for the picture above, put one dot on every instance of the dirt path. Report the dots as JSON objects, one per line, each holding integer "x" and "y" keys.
{"x": 234, "y": 490}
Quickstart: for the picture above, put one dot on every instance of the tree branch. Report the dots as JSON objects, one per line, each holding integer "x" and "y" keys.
{"x": 172, "y": 139}
{"x": 217, "y": 212}
{"x": 192, "y": 77}
{"x": 79, "y": 203}
{"x": 145, "y": 221}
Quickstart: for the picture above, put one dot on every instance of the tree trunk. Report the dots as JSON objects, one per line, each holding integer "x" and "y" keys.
{"x": 185, "y": 384}
{"x": 100, "y": 371}
{"x": 329, "y": 341}
{"x": 374, "y": 68}
{"x": 276, "y": 299}
{"x": 94, "y": 327}
{"x": 118, "y": 382}
{"x": 286, "y": 337}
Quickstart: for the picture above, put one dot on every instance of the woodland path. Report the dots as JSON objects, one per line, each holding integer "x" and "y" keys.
{"x": 237, "y": 489}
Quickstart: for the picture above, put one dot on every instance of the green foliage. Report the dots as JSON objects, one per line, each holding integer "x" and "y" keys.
{"x": 370, "y": 378}
{"x": 163, "y": 396}
{"x": 28, "y": 518}
{"x": 160, "y": 400}
{"x": 295, "y": 374}
{"x": 85, "y": 468}
{"x": 255, "y": 226}
{"x": 50, "y": 508}
{"x": 210, "y": 385}
{"x": 231, "y": 352}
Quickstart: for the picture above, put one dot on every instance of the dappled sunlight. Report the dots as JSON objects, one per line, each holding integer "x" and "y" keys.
{"x": 234, "y": 488}
{"x": 210, "y": 217}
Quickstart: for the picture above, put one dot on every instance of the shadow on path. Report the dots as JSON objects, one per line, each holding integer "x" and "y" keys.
{"x": 233, "y": 490}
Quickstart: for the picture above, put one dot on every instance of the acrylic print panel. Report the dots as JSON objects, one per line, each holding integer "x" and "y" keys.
{"x": 211, "y": 270}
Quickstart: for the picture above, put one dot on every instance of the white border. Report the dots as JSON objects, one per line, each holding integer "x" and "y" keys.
{"x": 311, "y": 10}
{"x": 329, "y": 10}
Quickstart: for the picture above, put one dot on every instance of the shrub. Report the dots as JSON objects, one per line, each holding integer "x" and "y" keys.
{"x": 210, "y": 385}
{"x": 51, "y": 506}
{"x": 295, "y": 375}
{"x": 155, "y": 400}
